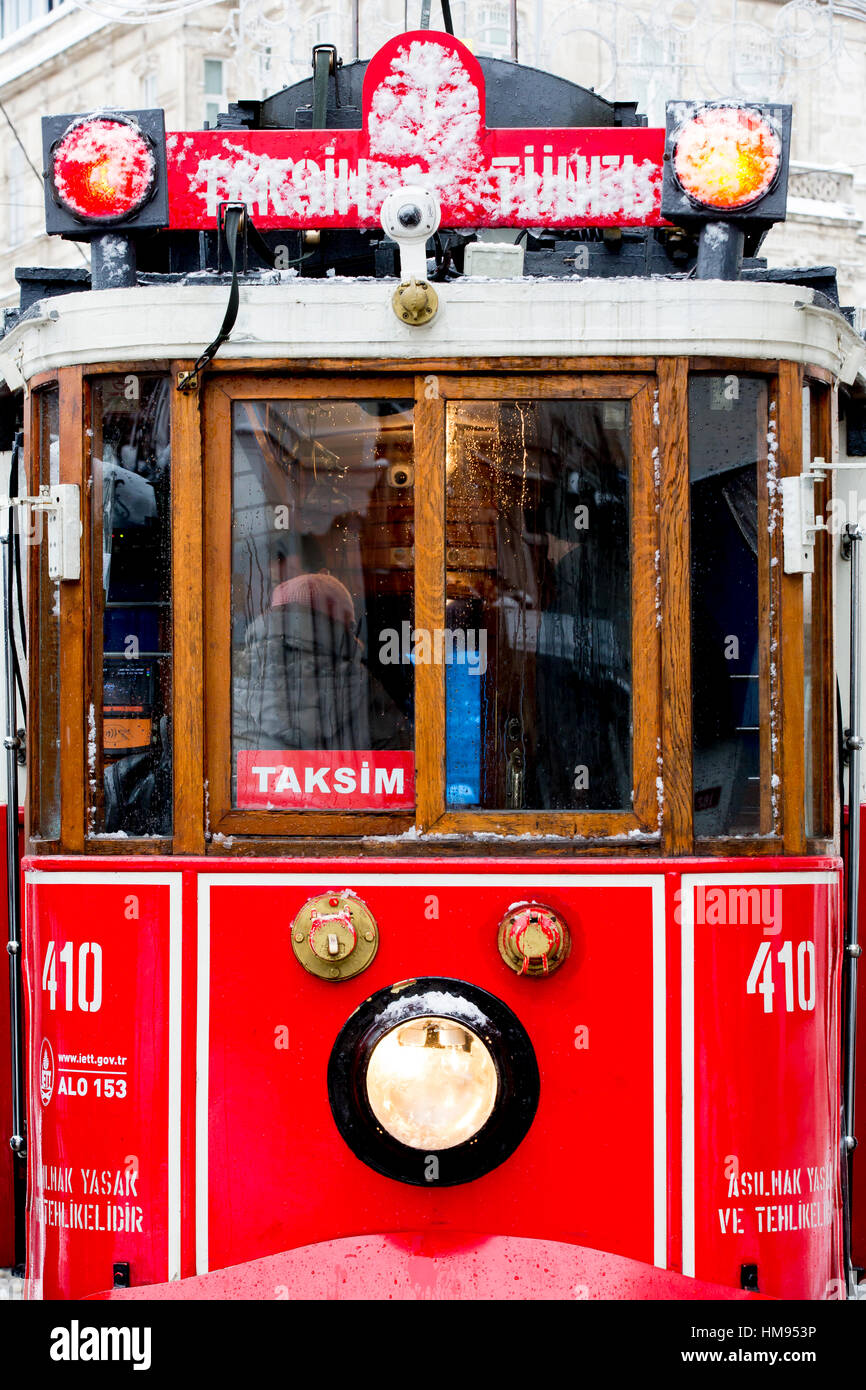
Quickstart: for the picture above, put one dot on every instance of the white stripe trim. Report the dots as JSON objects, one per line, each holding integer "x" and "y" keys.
{"x": 660, "y": 1117}
{"x": 448, "y": 880}
{"x": 524, "y": 881}
{"x": 174, "y": 883}
{"x": 687, "y": 1025}
{"x": 202, "y": 1074}
{"x": 689, "y": 883}
{"x": 175, "y": 1062}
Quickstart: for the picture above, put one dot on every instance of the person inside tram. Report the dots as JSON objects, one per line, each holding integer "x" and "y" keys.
{"x": 301, "y": 680}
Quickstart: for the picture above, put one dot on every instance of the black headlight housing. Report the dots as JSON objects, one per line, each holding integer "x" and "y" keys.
{"x": 508, "y": 1045}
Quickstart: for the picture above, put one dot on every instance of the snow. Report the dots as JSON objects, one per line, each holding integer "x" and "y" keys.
{"x": 102, "y": 164}
{"x": 427, "y": 108}
{"x": 92, "y": 756}
{"x": 432, "y": 1001}
{"x": 726, "y": 157}
{"x": 535, "y": 837}
{"x": 91, "y": 739}
{"x": 715, "y": 234}
{"x": 660, "y": 785}
{"x": 425, "y": 127}
{"x": 658, "y": 588}
{"x": 774, "y": 502}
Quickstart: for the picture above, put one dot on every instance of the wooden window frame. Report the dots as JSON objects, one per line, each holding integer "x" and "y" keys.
{"x": 823, "y": 443}
{"x": 30, "y": 480}
{"x": 95, "y": 609}
{"x": 196, "y": 635}
{"x": 430, "y": 812}
{"x": 223, "y": 818}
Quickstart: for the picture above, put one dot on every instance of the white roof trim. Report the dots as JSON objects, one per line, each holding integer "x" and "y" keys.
{"x": 338, "y": 317}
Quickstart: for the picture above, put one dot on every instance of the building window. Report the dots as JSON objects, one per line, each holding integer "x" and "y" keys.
{"x": 21, "y": 194}
{"x": 493, "y": 31}
{"x": 14, "y": 14}
{"x": 149, "y": 95}
{"x": 654, "y": 68}
{"x": 215, "y": 99}
{"x": 326, "y": 27}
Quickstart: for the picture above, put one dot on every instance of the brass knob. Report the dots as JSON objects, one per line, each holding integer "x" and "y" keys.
{"x": 415, "y": 302}
{"x": 533, "y": 939}
{"x": 335, "y": 936}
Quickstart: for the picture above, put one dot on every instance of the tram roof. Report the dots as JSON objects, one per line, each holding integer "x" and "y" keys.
{"x": 287, "y": 318}
{"x": 634, "y": 239}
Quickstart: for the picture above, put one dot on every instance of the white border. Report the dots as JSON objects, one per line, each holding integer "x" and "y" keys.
{"x": 174, "y": 883}
{"x": 347, "y": 318}
{"x": 687, "y": 921}
{"x": 521, "y": 881}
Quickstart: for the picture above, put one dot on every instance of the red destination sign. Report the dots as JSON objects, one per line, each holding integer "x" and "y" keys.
{"x": 331, "y": 780}
{"x": 423, "y": 121}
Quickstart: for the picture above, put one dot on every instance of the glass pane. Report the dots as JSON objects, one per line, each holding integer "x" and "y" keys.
{"x": 213, "y": 76}
{"x": 130, "y": 721}
{"x": 322, "y": 605}
{"x": 538, "y": 580}
{"x": 816, "y": 638}
{"x": 727, "y": 445}
{"x": 47, "y": 800}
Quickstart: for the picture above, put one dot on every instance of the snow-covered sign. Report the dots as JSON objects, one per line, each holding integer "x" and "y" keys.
{"x": 423, "y": 121}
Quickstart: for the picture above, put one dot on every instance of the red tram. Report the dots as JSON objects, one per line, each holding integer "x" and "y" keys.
{"x": 433, "y": 828}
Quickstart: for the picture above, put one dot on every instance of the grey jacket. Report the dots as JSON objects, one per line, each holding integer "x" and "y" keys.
{"x": 300, "y": 683}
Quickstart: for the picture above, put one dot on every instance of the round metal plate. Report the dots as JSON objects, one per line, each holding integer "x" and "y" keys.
{"x": 332, "y": 915}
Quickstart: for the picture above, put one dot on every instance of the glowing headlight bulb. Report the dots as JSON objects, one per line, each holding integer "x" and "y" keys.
{"x": 431, "y": 1083}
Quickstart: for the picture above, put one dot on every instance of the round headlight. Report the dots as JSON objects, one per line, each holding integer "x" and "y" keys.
{"x": 727, "y": 157}
{"x": 103, "y": 168}
{"x": 433, "y": 1082}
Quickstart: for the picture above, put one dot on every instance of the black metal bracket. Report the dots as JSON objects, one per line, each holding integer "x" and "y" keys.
{"x": 446, "y": 16}
{"x": 325, "y": 64}
{"x": 236, "y": 225}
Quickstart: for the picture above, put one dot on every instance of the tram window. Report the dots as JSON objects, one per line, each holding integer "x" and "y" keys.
{"x": 130, "y": 720}
{"x": 46, "y": 802}
{"x": 729, "y": 550}
{"x": 322, "y": 604}
{"x": 538, "y": 587}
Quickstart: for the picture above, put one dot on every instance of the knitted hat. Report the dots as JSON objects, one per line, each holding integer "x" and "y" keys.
{"x": 321, "y": 593}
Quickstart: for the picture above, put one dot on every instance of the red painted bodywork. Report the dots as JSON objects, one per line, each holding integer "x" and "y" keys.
{"x": 606, "y": 1162}
{"x": 597, "y": 177}
{"x": 7, "y": 1206}
{"x": 858, "y": 1192}
{"x": 416, "y": 1265}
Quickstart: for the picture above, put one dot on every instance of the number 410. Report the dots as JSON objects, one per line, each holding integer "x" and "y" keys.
{"x": 760, "y": 979}
{"x": 89, "y": 999}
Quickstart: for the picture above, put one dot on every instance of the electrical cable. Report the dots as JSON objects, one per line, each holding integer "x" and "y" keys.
{"x": 21, "y": 146}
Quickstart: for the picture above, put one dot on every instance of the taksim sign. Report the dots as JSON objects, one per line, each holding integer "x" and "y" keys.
{"x": 422, "y": 122}
{"x": 326, "y": 780}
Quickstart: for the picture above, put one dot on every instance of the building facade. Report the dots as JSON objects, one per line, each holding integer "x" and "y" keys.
{"x": 76, "y": 55}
